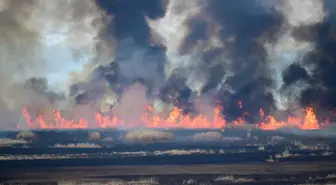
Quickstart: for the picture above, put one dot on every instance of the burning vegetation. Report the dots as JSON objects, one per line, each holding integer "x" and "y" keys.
{"x": 167, "y": 64}
{"x": 175, "y": 119}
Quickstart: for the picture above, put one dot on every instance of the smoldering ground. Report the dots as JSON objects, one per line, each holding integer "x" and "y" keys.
{"x": 266, "y": 54}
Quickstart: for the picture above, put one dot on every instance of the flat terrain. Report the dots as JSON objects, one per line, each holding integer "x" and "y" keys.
{"x": 277, "y": 173}
{"x": 105, "y": 171}
{"x": 192, "y": 157}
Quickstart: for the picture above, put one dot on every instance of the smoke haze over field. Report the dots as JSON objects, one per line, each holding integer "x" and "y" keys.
{"x": 114, "y": 56}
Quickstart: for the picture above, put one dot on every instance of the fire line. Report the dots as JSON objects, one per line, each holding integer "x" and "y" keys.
{"x": 175, "y": 120}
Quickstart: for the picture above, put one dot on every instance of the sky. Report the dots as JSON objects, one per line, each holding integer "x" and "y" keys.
{"x": 58, "y": 54}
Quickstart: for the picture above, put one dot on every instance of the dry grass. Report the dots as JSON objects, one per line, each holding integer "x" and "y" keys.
{"x": 302, "y": 146}
{"x": 207, "y": 136}
{"x": 231, "y": 139}
{"x": 139, "y": 153}
{"x": 213, "y": 136}
{"x": 327, "y": 153}
{"x": 108, "y": 139}
{"x": 189, "y": 182}
{"x": 94, "y": 136}
{"x": 271, "y": 160}
{"x": 232, "y": 179}
{"x": 331, "y": 176}
{"x": 77, "y": 145}
{"x": 166, "y": 152}
{"x": 149, "y": 136}
{"x": 285, "y": 154}
{"x": 183, "y": 152}
{"x": 149, "y": 181}
{"x": 43, "y": 156}
{"x": 8, "y": 142}
{"x": 274, "y": 140}
{"x": 26, "y": 135}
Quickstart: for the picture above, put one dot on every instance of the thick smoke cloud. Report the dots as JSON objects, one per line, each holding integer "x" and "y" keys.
{"x": 269, "y": 54}
{"x": 140, "y": 55}
{"x": 316, "y": 68}
{"x": 248, "y": 50}
{"x": 40, "y": 41}
{"x": 19, "y": 48}
{"x": 216, "y": 45}
{"x": 251, "y": 81}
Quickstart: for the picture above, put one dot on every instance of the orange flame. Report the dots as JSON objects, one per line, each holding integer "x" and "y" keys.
{"x": 239, "y": 121}
{"x": 175, "y": 119}
{"x": 59, "y": 121}
{"x": 309, "y": 122}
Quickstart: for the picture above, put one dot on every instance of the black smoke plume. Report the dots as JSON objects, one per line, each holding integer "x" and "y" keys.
{"x": 242, "y": 22}
{"x": 316, "y": 69}
{"x": 263, "y": 53}
{"x": 238, "y": 68}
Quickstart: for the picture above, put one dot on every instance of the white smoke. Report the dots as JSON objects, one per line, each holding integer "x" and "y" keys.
{"x": 300, "y": 13}
{"x": 70, "y": 31}
{"x": 173, "y": 28}
{"x": 48, "y": 39}
{"x": 287, "y": 50}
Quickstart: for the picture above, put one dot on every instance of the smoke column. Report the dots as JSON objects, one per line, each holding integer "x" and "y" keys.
{"x": 115, "y": 55}
{"x": 242, "y": 50}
